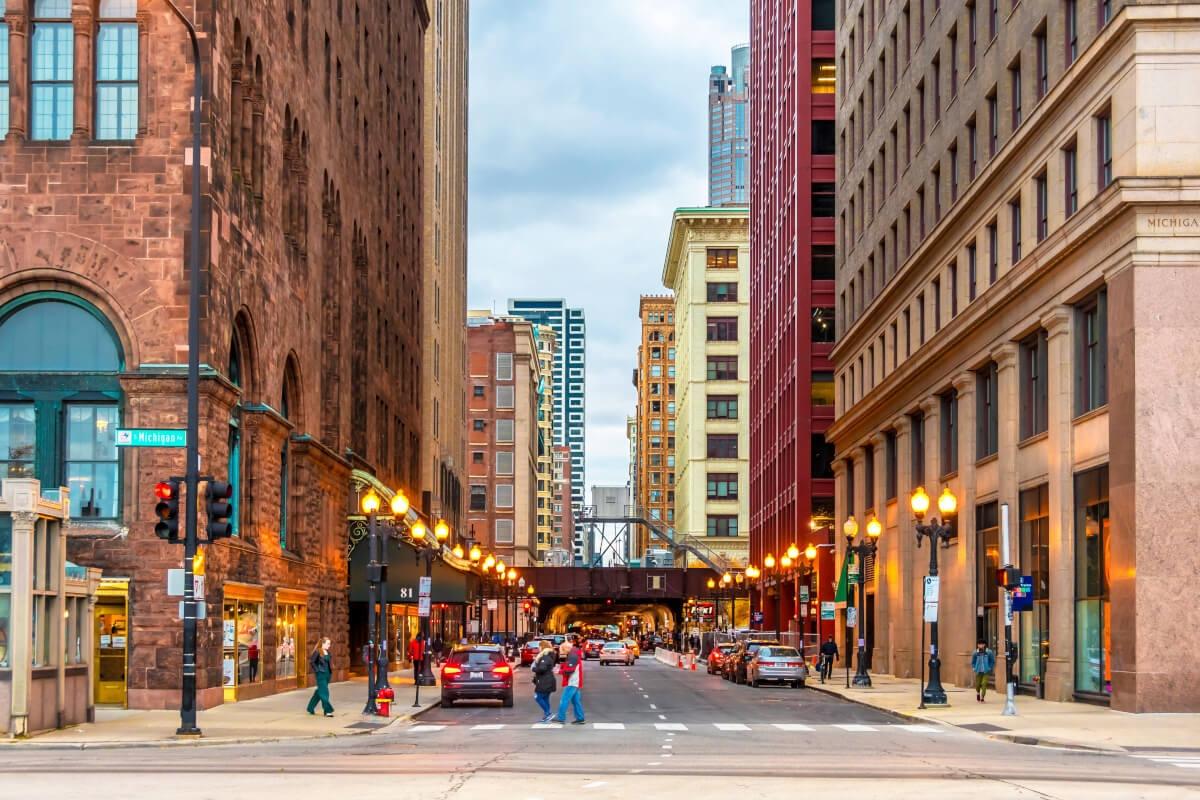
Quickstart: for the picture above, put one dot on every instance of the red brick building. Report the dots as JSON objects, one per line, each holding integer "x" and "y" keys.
{"x": 310, "y": 346}
{"x": 791, "y": 292}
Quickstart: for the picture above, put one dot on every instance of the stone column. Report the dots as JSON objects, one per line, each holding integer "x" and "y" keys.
{"x": 20, "y": 643}
{"x": 878, "y": 625}
{"x": 1060, "y": 385}
{"x": 931, "y": 407}
{"x": 18, "y": 70}
{"x": 900, "y": 575}
{"x": 956, "y": 627}
{"x": 83, "y": 24}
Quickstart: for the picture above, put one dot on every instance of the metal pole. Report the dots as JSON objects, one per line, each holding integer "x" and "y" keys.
{"x": 1010, "y": 684}
{"x": 778, "y": 606}
{"x": 372, "y": 592}
{"x": 921, "y": 685}
{"x": 861, "y": 676}
{"x": 934, "y": 693}
{"x": 426, "y": 676}
{"x": 384, "y": 646}
{"x": 187, "y": 700}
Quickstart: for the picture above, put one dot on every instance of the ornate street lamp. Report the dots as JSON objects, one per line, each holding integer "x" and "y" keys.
{"x": 369, "y": 504}
{"x": 934, "y": 529}
{"x": 862, "y": 551}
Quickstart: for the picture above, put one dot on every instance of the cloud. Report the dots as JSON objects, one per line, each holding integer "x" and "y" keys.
{"x": 587, "y": 128}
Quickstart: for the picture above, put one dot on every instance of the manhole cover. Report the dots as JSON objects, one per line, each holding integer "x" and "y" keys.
{"x": 983, "y": 727}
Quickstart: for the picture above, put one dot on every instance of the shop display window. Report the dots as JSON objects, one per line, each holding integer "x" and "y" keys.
{"x": 242, "y": 642}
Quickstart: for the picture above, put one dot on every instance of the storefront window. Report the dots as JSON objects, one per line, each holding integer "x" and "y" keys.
{"x": 5, "y": 613}
{"x": 1093, "y": 631}
{"x": 17, "y": 436}
{"x": 242, "y": 642}
{"x": 1035, "y": 562}
{"x": 5, "y": 551}
{"x": 289, "y": 650}
{"x": 987, "y": 560}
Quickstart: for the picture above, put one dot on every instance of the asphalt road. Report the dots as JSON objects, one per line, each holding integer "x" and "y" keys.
{"x": 652, "y": 731}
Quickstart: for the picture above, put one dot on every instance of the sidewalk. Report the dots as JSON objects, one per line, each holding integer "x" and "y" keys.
{"x": 274, "y": 718}
{"x": 1072, "y": 725}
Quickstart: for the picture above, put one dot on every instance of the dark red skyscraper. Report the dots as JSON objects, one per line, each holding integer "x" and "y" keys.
{"x": 791, "y": 301}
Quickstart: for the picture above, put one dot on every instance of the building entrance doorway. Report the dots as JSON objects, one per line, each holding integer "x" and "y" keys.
{"x": 112, "y": 642}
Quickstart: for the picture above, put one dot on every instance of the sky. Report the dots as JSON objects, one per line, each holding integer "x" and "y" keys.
{"x": 587, "y": 127}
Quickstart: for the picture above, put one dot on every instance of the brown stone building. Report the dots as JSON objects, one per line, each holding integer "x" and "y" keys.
{"x": 504, "y": 376}
{"x": 654, "y": 485}
{"x": 311, "y": 238}
{"x": 1017, "y": 291}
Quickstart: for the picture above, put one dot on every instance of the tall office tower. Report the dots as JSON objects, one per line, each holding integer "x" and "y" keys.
{"x": 569, "y": 377}
{"x": 791, "y": 303}
{"x": 707, "y": 268}
{"x": 1018, "y": 292}
{"x": 547, "y": 343}
{"x": 562, "y": 520}
{"x": 444, "y": 255}
{"x": 654, "y": 492}
{"x": 728, "y": 130}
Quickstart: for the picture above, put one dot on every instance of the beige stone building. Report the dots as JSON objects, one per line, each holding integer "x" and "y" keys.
{"x": 1018, "y": 293}
{"x": 444, "y": 259}
{"x": 707, "y": 267}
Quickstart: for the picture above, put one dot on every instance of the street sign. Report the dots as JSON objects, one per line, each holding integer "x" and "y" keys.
{"x": 804, "y": 611}
{"x": 426, "y": 585}
{"x": 1022, "y": 597}
{"x": 931, "y": 612}
{"x": 803, "y": 594}
{"x": 175, "y": 584}
{"x": 756, "y": 617}
{"x": 932, "y": 588}
{"x": 492, "y": 605}
{"x": 151, "y": 437}
{"x": 828, "y": 609}
{"x": 201, "y": 609}
{"x": 423, "y": 607}
{"x": 851, "y": 617}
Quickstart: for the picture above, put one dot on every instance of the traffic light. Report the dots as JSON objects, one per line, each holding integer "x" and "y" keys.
{"x": 216, "y": 498}
{"x": 525, "y": 606}
{"x": 1008, "y": 578}
{"x": 167, "y": 510}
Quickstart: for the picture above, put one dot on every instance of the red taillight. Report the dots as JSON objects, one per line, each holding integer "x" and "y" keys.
{"x": 502, "y": 669}
{"x": 450, "y": 669}
{"x": 767, "y": 664}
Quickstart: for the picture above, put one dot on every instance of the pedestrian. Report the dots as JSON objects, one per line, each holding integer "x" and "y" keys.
{"x": 436, "y": 651}
{"x": 829, "y": 651}
{"x": 252, "y": 656}
{"x": 320, "y": 666}
{"x": 571, "y": 668}
{"x": 544, "y": 682}
{"x": 983, "y": 661}
{"x": 416, "y": 654}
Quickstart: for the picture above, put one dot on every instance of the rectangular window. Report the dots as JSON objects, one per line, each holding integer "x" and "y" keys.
{"x": 936, "y": 290}
{"x": 936, "y": 93}
{"x": 953, "y": 45}
{"x": 972, "y": 150}
{"x": 987, "y": 416}
{"x": 972, "y": 273}
{"x": 921, "y": 112}
{"x": 504, "y": 462}
{"x": 822, "y": 15}
{"x": 3, "y": 74}
{"x": 823, "y": 139}
{"x": 891, "y": 468}
{"x": 993, "y": 237}
{"x": 1093, "y": 631}
{"x": 722, "y": 445}
{"x": 1034, "y": 394}
{"x": 1071, "y": 31}
{"x": 987, "y": 562}
{"x": 506, "y": 396}
{"x": 953, "y": 157}
{"x": 505, "y": 431}
{"x": 949, "y": 432}
{"x": 504, "y": 495}
{"x": 722, "y": 368}
{"x": 1043, "y": 58}
{"x": 1105, "y": 12}
{"x": 720, "y": 258}
{"x": 851, "y": 497}
{"x": 1034, "y": 560}
{"x": 722, "y": 525}
{"x": 478, "y": 498}
{"x": 117, "y": 70}
{"x": 90, "y": 465}
{"x": 1104, "y": 149}
{"x": 822, "y": 456}
{"x": 952, "y": 274}
{"x": 722, "y": 329}
{"x": 993, "y": 18}
{"x": 722, "y": 486}
{"x": 823, "y": 199}
{"x": 868, "y": 477}
{"x": 504, "y": 366}
{"x": 972, "y": 26}
{"x": 822, "y": 262}
{"x": 18, "y": 437}
{"x": 822, "y": 388}
{"x": 824, "y": 76}
{"x": 917, "y": 456}
{"x": 1014, "y": 81}
{"x": 921, "y": 319}
{"x": 52, "y": 71}
{"x": 504, "y": 531}
{"x": 1041, "y": 194}
{"x": 1070, "y": 179}
{"x": 722, "y": 292}
{"x": 993, "y": 125}
{"x": 722, "y": 407}
{"x": 1091, "y": 373}
{"x": 1014, "y": 217}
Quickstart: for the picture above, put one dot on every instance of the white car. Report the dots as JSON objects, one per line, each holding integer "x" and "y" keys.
{"x": 616, "y": 653}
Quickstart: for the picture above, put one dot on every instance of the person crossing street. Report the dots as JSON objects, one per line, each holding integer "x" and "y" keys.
{"x": 571, "y": 668}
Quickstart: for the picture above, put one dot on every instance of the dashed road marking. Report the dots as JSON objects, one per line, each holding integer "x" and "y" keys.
{"x": 487, "y": 727}
{"x": 792, "y": 726}
{"x": 609, "y": 726}
{"x": 731, "y": 726}
{"x": 670, "y": 726}
{"x": 855, "y": 728}
{"x": 921, "y": 728}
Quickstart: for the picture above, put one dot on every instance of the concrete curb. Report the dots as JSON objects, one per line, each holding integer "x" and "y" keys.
{"x": 904, "y": 715}
{"x": 33, "y": 743}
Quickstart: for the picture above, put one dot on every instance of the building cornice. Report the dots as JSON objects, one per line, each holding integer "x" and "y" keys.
{"x": 707, "y": 219}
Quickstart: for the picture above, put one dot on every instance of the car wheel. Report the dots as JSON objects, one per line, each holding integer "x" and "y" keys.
{"x": 508, "y": 701}
{"x": 754, "y": 684}
{"x": 447, "y": 702}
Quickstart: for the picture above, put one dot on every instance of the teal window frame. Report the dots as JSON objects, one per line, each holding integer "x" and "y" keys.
{"x": 117, "y": 72}
{"x": 51, "y": 71}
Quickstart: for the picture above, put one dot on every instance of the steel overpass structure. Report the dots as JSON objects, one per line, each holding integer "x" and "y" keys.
{"x": 608, "y": 538}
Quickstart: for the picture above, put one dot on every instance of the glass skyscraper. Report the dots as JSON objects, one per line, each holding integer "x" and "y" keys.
{"x": 728, "y": 130}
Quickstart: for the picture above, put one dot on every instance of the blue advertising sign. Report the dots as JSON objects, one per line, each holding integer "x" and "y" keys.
{"x": 1022, "y": 596}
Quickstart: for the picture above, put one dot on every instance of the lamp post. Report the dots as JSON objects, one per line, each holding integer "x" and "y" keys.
{"x": 810, "y": 556}
{"x": 727, "y": 582}
{"x": 934, "y": 530}
{"x": 517, "y": 599}
{"x": 399, "y": 505}
{"x": 431, "y": 551}
{"x": 375, "y": 573}
{"x": 489, "y": 564}
{"x": 769, "y": 566}
{"x": 862, "y": 550}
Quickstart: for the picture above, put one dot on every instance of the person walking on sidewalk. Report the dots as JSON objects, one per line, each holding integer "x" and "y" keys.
{"x": 544, "y": 682}
{"x": 416, "y": 654}
{"x": 319, "y": 665}
{"x": 571, "y": 668}
{"x": 983, "y": 662}
{"x": 829, "y": 651}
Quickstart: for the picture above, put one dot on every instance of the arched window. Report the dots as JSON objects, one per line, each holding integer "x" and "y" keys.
{"x": 234, "y": 468}
{"x": 59, "y": 409}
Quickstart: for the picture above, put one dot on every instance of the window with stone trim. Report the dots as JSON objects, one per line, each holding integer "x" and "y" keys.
{"x": 51, "y": 71}
{"x": 3, "y": 72}
{"x": 987, "y": 415}
{"x": 117, "y": 70}
{"x": 1033, "y": 369}
{"x": 1091, "y": 370}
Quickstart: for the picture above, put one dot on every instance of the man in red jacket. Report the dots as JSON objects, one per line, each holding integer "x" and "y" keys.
{"x": 416, "y": 654}
{"x": 571, "y": 669}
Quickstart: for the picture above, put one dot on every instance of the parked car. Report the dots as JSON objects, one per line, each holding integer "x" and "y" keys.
{"x": 717, "y": 656}
{"x": 477, "y": 672}
{"x": 591, "y": 648}
{"x": 777, "y": 664}
{"x": 735, "y": 666}
{"x": 634, "y": 648}
{"x": 529, "y": 652}
{"x": 616, "y": 653}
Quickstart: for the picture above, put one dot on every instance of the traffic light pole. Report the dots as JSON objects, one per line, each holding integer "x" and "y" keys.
{"x": 187, "y": 702}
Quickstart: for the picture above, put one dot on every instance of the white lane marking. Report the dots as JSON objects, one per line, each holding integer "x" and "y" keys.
{"x": 595, "y": 784}
{"x": 542, "y": 726}
{"x": 730, "y": 726}
{"x": 667, "y": 755}
{"x": 921, "y": 728}
{"x": 792, "y": 726}
{"x": 856, "y": 728}
{"x": 670, "y": 726}
{"x": 653, "y": 707}
{"x": 667, "y": 747}
{"x": 609, "y": 726}
{"x": 662, "y": 716}
{"x": 653, "y": 763}
{"x": 646, "y": 696}
{"x": 426, "y": 728}
{"x": 487, "y": 727}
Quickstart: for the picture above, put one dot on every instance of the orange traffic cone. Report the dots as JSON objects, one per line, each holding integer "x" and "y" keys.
{"x": 693, "y": 660}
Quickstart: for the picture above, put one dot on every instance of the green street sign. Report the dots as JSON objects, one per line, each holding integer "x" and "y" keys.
{"x": 151, "y": 437}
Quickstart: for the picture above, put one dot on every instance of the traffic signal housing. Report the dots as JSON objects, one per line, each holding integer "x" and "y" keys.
{"x": 167, "y": 510}
{"x": 1008, "y": 578}
{"x": 216, "y": 500}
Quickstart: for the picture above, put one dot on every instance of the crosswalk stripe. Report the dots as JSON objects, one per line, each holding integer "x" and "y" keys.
{"x": 426, "y": 728}
{"x": 609, "y": 726}
{"x": 856, "y": 728}
{"x": 731, "y": 726}
{"x": 792, "y": 726}
{"x": 542, "y": 726}
{"x": 670, "y": 726}
{"x": 487, "y": 727}
{"x": 921, "y": 728}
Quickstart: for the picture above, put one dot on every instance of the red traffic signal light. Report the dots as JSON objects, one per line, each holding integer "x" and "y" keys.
{"x": 525, "y": 606}
{"x": 165, "y": 490}
{"x": 167, "y": 510}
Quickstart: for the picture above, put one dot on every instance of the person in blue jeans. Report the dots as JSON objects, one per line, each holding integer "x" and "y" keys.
{"x": 544, "y": 683}
{"x": 983, "y": 661}
{"x": 572, "y": 673}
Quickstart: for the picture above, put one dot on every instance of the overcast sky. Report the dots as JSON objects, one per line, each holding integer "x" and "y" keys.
{"x": 587, "y": 128}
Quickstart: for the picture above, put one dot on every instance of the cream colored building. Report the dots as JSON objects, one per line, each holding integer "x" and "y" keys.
{"x": 1019, "y": 318}
{"x": 547, "y": 342}
{"x": 444, "y": 257}
{"x": 712, "y": 376}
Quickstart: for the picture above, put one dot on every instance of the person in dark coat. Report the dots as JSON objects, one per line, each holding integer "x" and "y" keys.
{"x": 544, "y": 683}
{"x": 320, "y": 664}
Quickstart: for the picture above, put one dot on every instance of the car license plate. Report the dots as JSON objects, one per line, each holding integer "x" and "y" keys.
{"x": 476, "y": 675}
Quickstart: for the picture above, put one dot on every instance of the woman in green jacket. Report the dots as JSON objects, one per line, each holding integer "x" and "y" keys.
{"x": 319, "y": 665}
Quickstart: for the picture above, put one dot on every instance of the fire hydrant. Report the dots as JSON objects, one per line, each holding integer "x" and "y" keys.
{"x": 383, "y": 701}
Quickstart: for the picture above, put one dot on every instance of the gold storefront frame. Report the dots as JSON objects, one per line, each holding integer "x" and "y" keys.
{"x": 291, "y": 645}
{"x": 112, "y": 593}
{"x": 239, "y": 594}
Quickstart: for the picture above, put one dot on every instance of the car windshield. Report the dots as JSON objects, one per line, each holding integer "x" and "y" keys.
{"x": 779, "y": 652}
{"x": 614, "y": 646}
{"x": 475, "y": 659}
